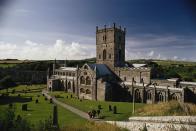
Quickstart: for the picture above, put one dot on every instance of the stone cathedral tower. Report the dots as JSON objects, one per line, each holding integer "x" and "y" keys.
{"x": 110, "y": 46}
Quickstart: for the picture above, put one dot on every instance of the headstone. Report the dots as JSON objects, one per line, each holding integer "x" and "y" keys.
{"x": 10, "y": 105}
{"x": 110, "y": 108}
{"x": 115, "y": 110}
{"x": 24, "y": 107}
{"x": 55, "y": 116}
{"x": 50, "y": 100}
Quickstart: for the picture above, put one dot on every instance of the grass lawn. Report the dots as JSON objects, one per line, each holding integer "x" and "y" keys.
{"x": 124, "y": 109}
{"x": 40, "y": 111}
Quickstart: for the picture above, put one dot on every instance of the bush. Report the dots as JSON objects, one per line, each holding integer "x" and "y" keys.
{"x": 13, "y": 91}
{"x": 99, "y": 107}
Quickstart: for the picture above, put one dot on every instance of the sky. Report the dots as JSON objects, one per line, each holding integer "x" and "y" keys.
{"x": 65, "y": 29}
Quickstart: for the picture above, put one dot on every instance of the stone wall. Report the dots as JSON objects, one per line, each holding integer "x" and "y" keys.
{"x": 162, "y": 123}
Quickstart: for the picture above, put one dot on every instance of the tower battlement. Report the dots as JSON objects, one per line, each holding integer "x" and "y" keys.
{"x": 110, "y": 46}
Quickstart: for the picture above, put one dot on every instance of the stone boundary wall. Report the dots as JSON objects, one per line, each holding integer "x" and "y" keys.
{"x": 160, "y": 123}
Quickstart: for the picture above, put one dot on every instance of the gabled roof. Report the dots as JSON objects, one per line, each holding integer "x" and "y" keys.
{"x": 101, "y": 69}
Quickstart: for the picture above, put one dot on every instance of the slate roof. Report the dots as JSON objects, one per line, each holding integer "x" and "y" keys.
{"x": 102, "y": 69}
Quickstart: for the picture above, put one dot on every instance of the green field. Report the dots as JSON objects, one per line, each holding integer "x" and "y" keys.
{"x": 124, "y": 109}
{"x": 40, "y": 111}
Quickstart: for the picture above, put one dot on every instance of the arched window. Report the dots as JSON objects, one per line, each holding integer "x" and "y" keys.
{"x": 104, "y": 54}
{"x": 69, "y": 85}
{"x": 149, "y": 95}
{"x": 82, "y": 90}
{"x": 88, "y": 91}
{"x": 174, "y": 97}
{"x": 82, "y": 80}
{"x": 137, "y": 95}
{"x": 88, "y": 80}
{"x": 85, "y": 67}
{"x": 160, "y": 97}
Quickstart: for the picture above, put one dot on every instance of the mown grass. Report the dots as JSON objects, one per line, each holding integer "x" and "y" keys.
{"x": 36, "y": 112}
{"x": 124, "y": 109}
{"x": 172, "y": 108}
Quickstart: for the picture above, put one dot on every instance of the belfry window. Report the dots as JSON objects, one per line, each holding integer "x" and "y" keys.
{"x": 104, "y": 54}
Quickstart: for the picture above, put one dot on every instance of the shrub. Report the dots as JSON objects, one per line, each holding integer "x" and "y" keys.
{"x": 99, "y": 107}
{"x": 13, "y": 91}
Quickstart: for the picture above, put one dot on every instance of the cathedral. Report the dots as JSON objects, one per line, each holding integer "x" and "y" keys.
{"x": 112, "y": 79}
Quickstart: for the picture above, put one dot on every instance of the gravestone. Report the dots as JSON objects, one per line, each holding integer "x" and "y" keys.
{"x": 24, "y": 107}
{"x": 110, "y": 108}
{"x": 50, "y": 100}
{"x": 115, "y": 110}
{"x": 55, "y": 116}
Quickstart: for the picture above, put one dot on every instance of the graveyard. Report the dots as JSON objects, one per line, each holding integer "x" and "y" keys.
{"x": 35, "y": 112}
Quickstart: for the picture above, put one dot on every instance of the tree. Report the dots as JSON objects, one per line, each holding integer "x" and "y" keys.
{"x": 6, "y": 83}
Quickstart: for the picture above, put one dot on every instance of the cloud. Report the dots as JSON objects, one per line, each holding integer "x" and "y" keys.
{"x": 36, "y": 51}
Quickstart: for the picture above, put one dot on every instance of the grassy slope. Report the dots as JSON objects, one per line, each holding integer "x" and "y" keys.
{"x": 172, "y": 108}
{"x": 124, "y": 109}
{"x": 40, "y": 111}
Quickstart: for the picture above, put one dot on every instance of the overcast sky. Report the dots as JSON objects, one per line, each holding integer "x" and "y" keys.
{"x": 65, "y": 29}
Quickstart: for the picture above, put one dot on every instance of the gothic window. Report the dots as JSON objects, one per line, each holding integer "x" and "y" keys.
{"x": 73, "y": 74}
{"x": 142, "y": 80}
{"x": 69, "y": 85}
{"x": 82, "y": 80}
{"x": 160, "y": 97}
{"x": 119, "y": 38}
{"x": 82, "y": 90}
{"x": 104, "y": 54}
{"x": 174, "y": 97}
{"x": 137, "y": 95}
{"x": 85, "y": 73}
{"x": 85, "y": 67}
{"x": 88, "y": 80}
{"x": 149, "y": 95}
{"x": 88, "y": 91}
